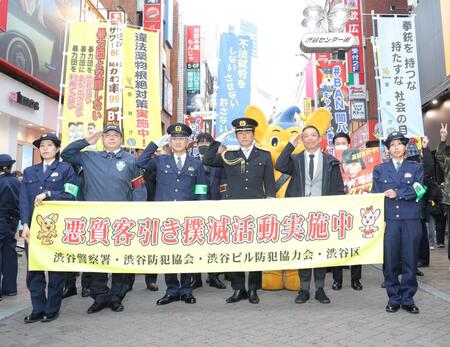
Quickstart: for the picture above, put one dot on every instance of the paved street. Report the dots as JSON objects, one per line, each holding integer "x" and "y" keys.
{"x": 352, "y": 319}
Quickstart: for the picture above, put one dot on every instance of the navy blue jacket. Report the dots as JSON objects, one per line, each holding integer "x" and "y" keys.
{"x": 385, "y": 177}
{"x": 9, "y": 204}
{"x": 171, "y": 184}
{"x": 36, "y": 182}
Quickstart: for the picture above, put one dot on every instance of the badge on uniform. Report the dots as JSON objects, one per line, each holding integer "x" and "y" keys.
{"x": 191, "y": 169}
{"x": 120, "y": 165}
{"x": 54, "y": 174}
{"x": 408, "y": 175}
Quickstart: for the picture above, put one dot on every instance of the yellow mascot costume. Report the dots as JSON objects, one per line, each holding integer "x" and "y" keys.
{"x": 273, "y": 137}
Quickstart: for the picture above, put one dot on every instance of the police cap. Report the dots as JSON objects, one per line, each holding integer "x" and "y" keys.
{"x": 179, "y": 130}
{"x": 49, "y": 136}
{"x": 244, "y": 123}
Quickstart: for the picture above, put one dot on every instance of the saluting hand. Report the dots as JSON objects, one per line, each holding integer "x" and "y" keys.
{"x": 295, "y": 140}
{"x": 443, "y": 132}
{"x": 93, "y": 138}
{"x": 425, "y": 141}
{"x": 163, "y": 140}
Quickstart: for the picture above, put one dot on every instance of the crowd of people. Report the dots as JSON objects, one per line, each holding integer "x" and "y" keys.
{"x": 416, "y": 204}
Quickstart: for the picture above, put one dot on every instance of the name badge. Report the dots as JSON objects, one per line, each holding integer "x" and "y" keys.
{"x": 191, "y": 169}
{"x": 408, "y": 175}
{"x": 54, "y": 174}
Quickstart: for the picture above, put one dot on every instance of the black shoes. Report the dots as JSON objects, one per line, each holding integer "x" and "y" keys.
{"x": 411, "y": 308}
{"x": 253, "y": 297}
{"x": 152, "y": 286}
{"x": 68, "y": 292}
{"x": 116, "y": 306}
{"x": 321, "y": 296}
{"x": 167, "y": 299}
{"x": 34, "y": 317}
{"x": 96, "y": 307}
{"x": 85, "y": 292}
{"x": 238, "y": 295}
{"x": 391, "y": 308}
{"x": 188, "y": 298}
{"x": 49, "y": 317}
{"x": 302, "y": 297}
{"x": 356, "y": 285}
{"x": 336, "y": 285}
{"x": 215, "y": 282}
{"x": 196, "y": 283}
{"x": 419, "y": 273}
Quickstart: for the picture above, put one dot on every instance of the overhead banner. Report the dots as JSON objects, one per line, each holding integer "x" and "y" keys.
{"x": 192, "y": 59}
{"x": 400, "y": 103}
{"x": 234, "y": 78}
{"x": 207, "y": 236}
{"x": 141, "y": 87}
{"x": 84, "y": 93}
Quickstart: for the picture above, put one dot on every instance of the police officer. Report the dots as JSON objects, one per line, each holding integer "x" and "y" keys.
{"x": 107, "y": 176}
{"x": 249, "y": 172}
{"x": 9, "y": 219}
{"x": 179, "y": 177}
{"x": 399, "y": 179}
{"x": 214, "y": 176}
{"x": 49, "y": 180}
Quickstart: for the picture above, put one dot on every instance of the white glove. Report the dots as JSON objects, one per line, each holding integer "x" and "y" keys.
{"x": 224, "y": 136}
{"x": 163, "y": 140}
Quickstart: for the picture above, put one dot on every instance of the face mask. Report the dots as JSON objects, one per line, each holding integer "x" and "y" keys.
{"x": 341, "y": 147}
{"x": 202, "y": 149}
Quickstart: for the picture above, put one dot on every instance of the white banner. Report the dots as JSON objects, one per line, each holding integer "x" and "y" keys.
{"x": 400, "y": 92}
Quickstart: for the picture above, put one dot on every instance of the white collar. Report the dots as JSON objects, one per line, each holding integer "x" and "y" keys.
{"x": 48, "y": 164}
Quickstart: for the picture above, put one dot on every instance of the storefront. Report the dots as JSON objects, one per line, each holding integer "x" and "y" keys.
{"x": 25, "y": 114}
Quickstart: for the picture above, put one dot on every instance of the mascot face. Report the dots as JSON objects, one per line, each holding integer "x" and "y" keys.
{"x": 276, "y": 138}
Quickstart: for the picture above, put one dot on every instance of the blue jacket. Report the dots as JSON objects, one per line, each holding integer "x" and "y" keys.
{"x": 9, "y": 204}
{"x": 105, "y": 178}
{"x": 172, "y": 185}
{"x": 36, "y": 182}
{"x": 385, "y": 177}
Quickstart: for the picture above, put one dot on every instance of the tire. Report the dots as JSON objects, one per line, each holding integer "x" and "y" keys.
{"x": 19, "y": 53}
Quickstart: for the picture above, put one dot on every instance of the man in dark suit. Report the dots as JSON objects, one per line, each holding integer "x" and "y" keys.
{"x": 249, "y": 172}
{"x": 313, "y": 174}
{"x": 179, "y": 177}
{"x": 400, "y": 180}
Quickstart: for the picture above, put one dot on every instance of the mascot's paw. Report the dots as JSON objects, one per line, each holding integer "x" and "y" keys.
{"x": 272, "y": 280}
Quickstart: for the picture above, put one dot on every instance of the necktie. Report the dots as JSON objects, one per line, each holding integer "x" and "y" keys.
{"x": 110, "y": 155}
{"x": 311, "y": 166}
{"x": 179, "y": 165}
{"x": 397, "y": 165}
{"x": 45, "y": 167}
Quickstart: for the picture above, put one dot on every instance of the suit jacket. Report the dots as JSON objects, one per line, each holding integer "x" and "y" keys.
{"x": 171, "y": 184}
{"x": 253, "y": 180}
{"x": 385, "y": 177}
{"x": 294, "y": 165}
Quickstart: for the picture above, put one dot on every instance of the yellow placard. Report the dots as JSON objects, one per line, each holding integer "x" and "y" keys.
{"x": 84, "y": 92}
{"x": 207, "y": 236}
{"x": 141, "y": 87}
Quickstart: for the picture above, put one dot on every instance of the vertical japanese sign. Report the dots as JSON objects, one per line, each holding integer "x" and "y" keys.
{"x": 114, "y": 68}
{"x": 332, "y": 94}
{"x": 141, "y": 90}
{"x": 84, "y": 91}
{"x": 356, "y": 54}
{"x": 152, "y": 15}
{"x": 192, "y": 57}
{"x": 234, "y": 77}
{"x": 400, "y": 104}
{"x": 3, "y": 14}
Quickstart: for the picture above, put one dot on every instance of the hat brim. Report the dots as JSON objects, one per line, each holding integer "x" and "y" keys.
{"x": 117, "y": 131}
{"x": 179, "y": 135}
{"x": 37, "y": 143}
{"x": 403, "y": 140}
{"x": 7, "y": 163}
{"x": 244, "y": 129}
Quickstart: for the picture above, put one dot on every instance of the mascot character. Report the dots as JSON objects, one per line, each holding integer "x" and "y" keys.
{"x": 273, "y": 137}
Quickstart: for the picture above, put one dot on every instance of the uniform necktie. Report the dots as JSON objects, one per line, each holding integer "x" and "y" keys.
{"x": 179, "y": 165}
{"x": 45, "y": 167}
{"x": 110, "y": 155}
{"x": 311, "y": 166}
{"x": 397, "y": 165}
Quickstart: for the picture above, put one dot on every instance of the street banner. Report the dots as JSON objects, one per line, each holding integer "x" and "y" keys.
{"x": 152, "y": 15}
{"x": 84, "y": 92}
{"x": 332, "y": 93}
{"x": 141, "y": 91}
{"x": 192, "y": 59}
{"x": 3, "y": 14}
{"x": 355, "y": 56}
{"x": 234, "y": 77}
{"x": 357, "y": 167}
{"x": 207, "y": 236}
{"x": 400, "y": 103}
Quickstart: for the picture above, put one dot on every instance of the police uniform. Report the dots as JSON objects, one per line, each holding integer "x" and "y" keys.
{"x": 9, "y": 219}
{"x": 51, "y": 182}
{"x": 403, "y": 227}
{"x": 107, "y": 177}
{"x": 247, "y": 178}
{"x": 175, "y": 184}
